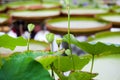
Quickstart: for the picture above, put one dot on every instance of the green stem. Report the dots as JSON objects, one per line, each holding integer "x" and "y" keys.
{"x": 58, "y": 58}
{"x": 51, "y": 65}
{"x": 28, "y": 42}
{"x": 92, "y": 64}
{"x": 68, "y": 8}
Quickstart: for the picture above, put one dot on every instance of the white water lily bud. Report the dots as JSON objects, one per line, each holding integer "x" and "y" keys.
{"x": 31, "y": 27}
{"x": 50, "y": 37}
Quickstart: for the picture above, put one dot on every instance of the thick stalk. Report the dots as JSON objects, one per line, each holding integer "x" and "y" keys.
{"x": 28, "y": 42}
{"x": 68, "y": 9}
{"x": 92, "y": 64}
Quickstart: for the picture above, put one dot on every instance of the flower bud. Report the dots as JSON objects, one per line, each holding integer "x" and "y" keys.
{"x": 50, "y": 37}
{"x": 59, "y": 41}
{"x": 31, "y": 27}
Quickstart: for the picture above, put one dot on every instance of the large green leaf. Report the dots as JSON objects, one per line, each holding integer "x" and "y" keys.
{"x": 93, "y": 47}
{"x": 81, "y": 76}
{"x": 10, "y": 42}
{"x": 23, "y": 67}
{"x": 65, "y": 63}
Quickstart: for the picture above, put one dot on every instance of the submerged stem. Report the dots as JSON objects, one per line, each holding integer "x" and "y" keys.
{"x": 92, "y": 64}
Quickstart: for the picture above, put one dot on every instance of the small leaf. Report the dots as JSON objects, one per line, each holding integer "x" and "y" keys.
{"x": 31, "y": 27}
{"x": 10, "y": 42}
{"x": 81, "y": 76}
{"x": 50, "y": 37}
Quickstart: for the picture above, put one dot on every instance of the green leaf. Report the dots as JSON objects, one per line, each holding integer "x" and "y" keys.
{"x": 66, "y": 64}
{"x": 93, "y": 48}
{"x": 81, "y": 76}
{"x": 50, "y": 37}
{"x": 46, "y": 60}
{"x": 31, "y": 27}
{"x": 23, "y": 68}
{"x": 10, "y": 42}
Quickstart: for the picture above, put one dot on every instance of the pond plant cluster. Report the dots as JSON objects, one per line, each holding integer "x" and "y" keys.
{"x": 45, "y": 65}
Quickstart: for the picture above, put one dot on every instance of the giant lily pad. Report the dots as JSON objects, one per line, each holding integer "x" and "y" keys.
{"x": 106, "y": 37}
{"x": 4, "y": 19}
{"x": 34, "y": 15}
{"x": 116, "y": 9}
{"x": 107, "y": 67}
{"x": 23, "y": 5}
{"x": 78, "y": 25}
{"x": 114, "y": 18}
{"x": 2, "y": 8}
{"x": 85, "y": 11}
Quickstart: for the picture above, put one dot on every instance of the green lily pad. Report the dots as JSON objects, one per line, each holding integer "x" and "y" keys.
{"x": 85, "y": 11}
{"x": 22, "y": 3}
{"x": 36, "y": 14}
{"x": 106, "y": 37}
{"x": 116, "y": 9}
{"x": 107, "y": 67}
{"x": 2, "y": 8}
{"x": 4, "y": 19}
{"x": 110, "y": 17}
{"x": 78, "y": 25}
